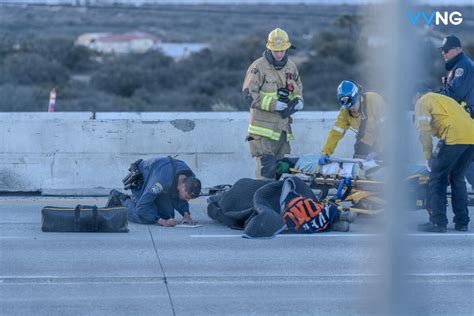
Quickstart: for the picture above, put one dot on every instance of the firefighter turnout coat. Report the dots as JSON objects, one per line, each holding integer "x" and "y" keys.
{"x": 372, "y": 114}
{"x": 260, "y": 90}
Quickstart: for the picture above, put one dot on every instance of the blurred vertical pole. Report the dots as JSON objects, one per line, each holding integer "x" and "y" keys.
{"x": 397, "y": 69}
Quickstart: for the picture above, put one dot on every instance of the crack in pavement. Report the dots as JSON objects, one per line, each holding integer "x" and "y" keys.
{"x": 162, "y": 270}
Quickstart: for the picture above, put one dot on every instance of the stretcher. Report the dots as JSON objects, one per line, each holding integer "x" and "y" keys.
{"x": 357, "y": 182}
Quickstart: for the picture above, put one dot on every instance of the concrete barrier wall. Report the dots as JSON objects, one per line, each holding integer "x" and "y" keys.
{"x": 76, "y": 153}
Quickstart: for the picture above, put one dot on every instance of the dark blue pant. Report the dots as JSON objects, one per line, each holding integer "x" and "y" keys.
{"x": 163, "y": 207}
{"x": 452, "y": 161}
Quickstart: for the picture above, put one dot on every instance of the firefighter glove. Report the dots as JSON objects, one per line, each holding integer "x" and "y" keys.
{"x": 299, "y": 106}
{"x": 280, "y": 106}
{"x": 323, "y": 160}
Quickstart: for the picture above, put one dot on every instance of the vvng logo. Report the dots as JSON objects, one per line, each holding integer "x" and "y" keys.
{"x": 446, "y": 18}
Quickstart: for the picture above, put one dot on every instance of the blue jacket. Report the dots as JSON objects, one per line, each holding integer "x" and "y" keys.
{"x": 159, "y": 179}
{"x": 460, "y": 81}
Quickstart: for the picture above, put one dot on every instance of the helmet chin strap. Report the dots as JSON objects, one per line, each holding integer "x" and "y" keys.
{"x": 277, "y": 64}
{"x": 357, "y": 112}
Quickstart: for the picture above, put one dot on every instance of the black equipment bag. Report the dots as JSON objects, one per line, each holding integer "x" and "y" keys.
{"x": 84, "y": 218}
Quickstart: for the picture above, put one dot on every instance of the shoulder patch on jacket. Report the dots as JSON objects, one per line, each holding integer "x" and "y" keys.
{"x": 459, "y": 72}
{"x": 254, "y": 71}
{"x": 156, "y": 188}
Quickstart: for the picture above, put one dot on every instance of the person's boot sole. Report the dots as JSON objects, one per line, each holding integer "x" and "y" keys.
{"x": 114, "y": 199}
{"x": 341, "y": 226}
{"x": 433, "y": 229}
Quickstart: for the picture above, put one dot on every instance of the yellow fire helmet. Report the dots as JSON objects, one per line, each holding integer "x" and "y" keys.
{"x": 278, "y": 40}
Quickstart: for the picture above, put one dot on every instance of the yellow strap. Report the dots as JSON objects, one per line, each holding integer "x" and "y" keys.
{"x": 269, "y": 94}
{"x": 266, "y": 132}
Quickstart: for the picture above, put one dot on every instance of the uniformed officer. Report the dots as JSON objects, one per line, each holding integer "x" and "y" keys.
{"x": 440, "y": 116}
{"x": 364, "y": 113}
{"x": 459, "y": 83}
{"x": 273, "y": 90}
{"x": 159, "y": 186}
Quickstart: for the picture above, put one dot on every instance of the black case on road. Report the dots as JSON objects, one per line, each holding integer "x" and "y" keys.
{"x": 84, "y": 218}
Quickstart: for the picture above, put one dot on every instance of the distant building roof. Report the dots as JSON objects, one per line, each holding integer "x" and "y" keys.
{"x": 131, "y": 42}
{"x": 128, "y": 37}
{"x": 136, "y": 42}
{"x": 86, "y": 39}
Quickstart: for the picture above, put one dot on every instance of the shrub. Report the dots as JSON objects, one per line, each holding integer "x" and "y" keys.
{"x": 30, "y": 68}
{"x": 19, "y": 98}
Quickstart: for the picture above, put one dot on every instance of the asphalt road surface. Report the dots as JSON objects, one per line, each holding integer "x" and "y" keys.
{"x": 211, "y": 270}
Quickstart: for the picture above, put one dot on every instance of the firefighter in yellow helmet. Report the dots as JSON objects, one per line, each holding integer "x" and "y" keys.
{"x": 273, "y": 90}
{"x": 440, "y": 116}
{"x": 364, "y": 113}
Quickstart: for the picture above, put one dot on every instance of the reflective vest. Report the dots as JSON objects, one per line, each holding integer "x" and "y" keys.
{"x": 260, "y": 87}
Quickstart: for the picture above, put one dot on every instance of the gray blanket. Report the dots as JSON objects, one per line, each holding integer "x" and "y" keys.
{"x": 255, "y": 205}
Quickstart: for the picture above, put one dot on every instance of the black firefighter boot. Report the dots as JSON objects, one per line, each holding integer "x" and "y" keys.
{"x": 341, "y": 226}
{"x": 115, "y": 198}
{"x": 431, "y": 228}
{"x": 343, "y": 220}
{"x": 347, "y": 216}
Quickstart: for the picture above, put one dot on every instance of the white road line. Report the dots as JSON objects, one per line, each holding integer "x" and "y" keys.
{"x": 336, "y": 235}
{"x": 215, "y": 236}
{"x": 441, "y": 235}
{"x": 441, "y": 274}
{"x": 343, "y": 275}
{"x": 292, "y": 236}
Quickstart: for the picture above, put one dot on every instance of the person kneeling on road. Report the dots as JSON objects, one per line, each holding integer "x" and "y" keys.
{"x": 159, "y": 186}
